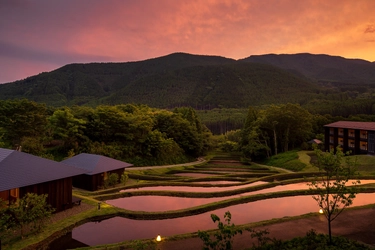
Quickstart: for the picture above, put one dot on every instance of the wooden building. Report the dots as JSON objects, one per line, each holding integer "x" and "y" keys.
{"x": 356, "y": 137}
{"x": 97, "y": 169}
{"x": 22, "y": 173}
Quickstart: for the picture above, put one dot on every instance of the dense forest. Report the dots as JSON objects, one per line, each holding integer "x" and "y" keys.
{"x": 137, "y": 134}
{"x": 143, "y": 135}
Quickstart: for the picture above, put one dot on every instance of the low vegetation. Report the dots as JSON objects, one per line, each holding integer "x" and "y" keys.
{"x": 288, "y": 160}
{"x": 223, "y": 237}
{"x": 312, "y": 241}
{"x": 26, "y": 216}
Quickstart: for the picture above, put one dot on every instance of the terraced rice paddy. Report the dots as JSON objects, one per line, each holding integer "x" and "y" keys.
{"x": 192, "y": 212}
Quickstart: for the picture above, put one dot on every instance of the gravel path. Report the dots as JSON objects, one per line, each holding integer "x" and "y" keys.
{"x": 76, "y": 209}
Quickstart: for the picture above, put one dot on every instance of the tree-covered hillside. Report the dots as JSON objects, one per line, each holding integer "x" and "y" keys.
{"x": 170, "y": 81}
{"x": 321, "y": 83}
{"x": 206, "y": 87}
{"x": 88, "y": 83}
{"x": 322, "y": 68}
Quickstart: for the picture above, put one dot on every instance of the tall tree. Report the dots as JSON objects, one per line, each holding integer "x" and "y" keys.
{"x": 286, "y": 124}
{"x": 333, "y": 193}
{"x": 297, "y": 125}
{"x": 67, "y": 128}
{"x": 174, "y": 126}
{"x": 253, "y": 141}
{"x": 199, "y": 134}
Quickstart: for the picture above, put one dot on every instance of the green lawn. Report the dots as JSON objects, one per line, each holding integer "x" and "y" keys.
{"x": 365, "y": 163}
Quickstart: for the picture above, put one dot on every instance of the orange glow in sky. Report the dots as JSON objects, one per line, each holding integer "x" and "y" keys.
{"x": 42, "y": 35}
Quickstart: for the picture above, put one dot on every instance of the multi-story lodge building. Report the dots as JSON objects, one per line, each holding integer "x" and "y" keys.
{"x": 356, "y": 137}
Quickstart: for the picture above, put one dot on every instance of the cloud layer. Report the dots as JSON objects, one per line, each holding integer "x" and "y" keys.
{"x": 42, "y": 35}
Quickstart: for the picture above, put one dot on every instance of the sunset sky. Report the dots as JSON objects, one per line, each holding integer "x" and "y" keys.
{"x": 42, "y": 35}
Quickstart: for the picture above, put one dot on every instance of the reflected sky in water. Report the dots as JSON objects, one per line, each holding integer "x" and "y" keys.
{"x": 120, "y": 229}
{"x": 195, "y": 189}
{"x": 154, "y": 203}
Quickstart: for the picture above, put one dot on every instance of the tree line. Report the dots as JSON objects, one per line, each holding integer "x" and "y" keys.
{"x": 137, "y": 134}
{"x": 142, "y": 135}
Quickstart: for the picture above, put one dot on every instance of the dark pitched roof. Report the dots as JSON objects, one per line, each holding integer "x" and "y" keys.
{"x": 95, "y": 164}
{"x": 18, "y": 169}
{"x": 352, "y": 125}
{"x": 315, "y": 141}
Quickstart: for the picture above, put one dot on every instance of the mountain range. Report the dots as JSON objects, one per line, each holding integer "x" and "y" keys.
{"x": 200, "y": 81}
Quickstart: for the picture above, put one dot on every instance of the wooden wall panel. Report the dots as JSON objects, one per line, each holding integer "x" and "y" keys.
{"x": 59, "y": 192}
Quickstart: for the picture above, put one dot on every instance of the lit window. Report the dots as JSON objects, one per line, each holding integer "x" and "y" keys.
{"x": 363, "y": 134}
{"x": 341, "y": 131}
{"x": 351, "y": 133}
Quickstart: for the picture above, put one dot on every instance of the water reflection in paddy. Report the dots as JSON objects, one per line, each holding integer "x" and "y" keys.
{"x": 154, "y": 203}
{"x": 294, "y": 186}
{"x": 120, "y": 229}
{"x": 218, "y": 182}
{"x": 195, "y": 189}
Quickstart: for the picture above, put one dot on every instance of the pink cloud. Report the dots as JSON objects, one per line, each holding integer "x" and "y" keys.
{"x": 62, "y": 32}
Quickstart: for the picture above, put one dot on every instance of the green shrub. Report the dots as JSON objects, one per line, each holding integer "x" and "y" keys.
{"x": 124, "y": 178}
{"x": 111, "y": 181}
{"x": 223, "y": 237}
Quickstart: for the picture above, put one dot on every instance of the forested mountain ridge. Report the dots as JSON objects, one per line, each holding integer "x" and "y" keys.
{"x": 82, "y": 83}
{"x": 202, "y": 82}
{"x": 321, "y": 68}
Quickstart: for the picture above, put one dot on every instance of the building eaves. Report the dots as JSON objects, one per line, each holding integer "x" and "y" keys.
{"x": 369, "y": 126}
{"x": 19, "y": 169}
{"x": 96, "y": 164}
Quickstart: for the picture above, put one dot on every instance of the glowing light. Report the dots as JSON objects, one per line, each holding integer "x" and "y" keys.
{"x": 321, "y": 211}
{"x": 158, "y": 238}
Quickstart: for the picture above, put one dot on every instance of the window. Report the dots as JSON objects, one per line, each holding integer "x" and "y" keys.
{"x": 331, "y": 139}
{"x": 364, "y": 146}
{"x": 363, "y": 134}
{"x": 341, "y": 141}
{"x": 14, "y": 193}
{"x": 341, "y": 131}
{"x": 351, "y": 133}
{"x": 351, "y": 144}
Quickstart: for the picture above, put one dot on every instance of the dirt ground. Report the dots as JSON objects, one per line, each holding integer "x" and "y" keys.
{"x": 356, "y": 224}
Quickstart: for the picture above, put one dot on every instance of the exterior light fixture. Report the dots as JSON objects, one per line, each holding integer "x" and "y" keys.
{"x": 158, "y": 238}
